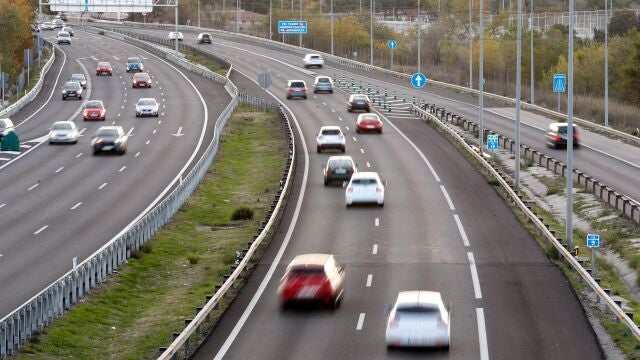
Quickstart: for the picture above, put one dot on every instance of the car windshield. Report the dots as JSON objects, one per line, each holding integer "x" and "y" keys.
{"x": 563, "y": 130}
{"x": 297, "y": 84}
{"x": 93, "y": 105}
{"x": 133, "y": 61}
{"x": 418, "y": 310}
{"x": 107, "y": 133}
{"x": 146, "y": 102}
{"x": 316, "y": 57}
{"x": 61, "y": 126}
{"x": 331, "y": 132}
{"x": 72, "y": 85}
{"x": 364, "y": 182}
{"x": 141, "y": 76}
{"x": 205, "y": 36}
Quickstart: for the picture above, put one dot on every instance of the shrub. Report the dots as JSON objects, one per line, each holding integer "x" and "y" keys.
{"x": 193, "y": 258}
{"x": 242, "y": 213}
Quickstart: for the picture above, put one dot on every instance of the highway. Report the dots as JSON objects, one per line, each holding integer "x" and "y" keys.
{"x": 443, "y": 228}
{"x": 60, "y": 202}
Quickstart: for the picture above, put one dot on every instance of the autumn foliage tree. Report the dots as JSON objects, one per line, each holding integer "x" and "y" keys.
{"x": 15, "y": 35}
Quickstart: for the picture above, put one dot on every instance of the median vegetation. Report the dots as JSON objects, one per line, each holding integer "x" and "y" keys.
{"x": 136, "y": 311}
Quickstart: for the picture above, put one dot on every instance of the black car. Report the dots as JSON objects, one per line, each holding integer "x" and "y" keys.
{"x": 359, "y": 102}
{"x": 72, "y": 89}
{"x": 339, "y": 168}
{"x": 204, "y": 38}
{"x": 110, "y": 138}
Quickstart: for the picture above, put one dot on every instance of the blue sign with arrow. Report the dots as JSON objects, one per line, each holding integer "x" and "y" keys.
{"x": 593, "y": 240}
{"x": 392, "y": 44}
{"x": 559, "y": 83}
{"x": 418, "y": 80}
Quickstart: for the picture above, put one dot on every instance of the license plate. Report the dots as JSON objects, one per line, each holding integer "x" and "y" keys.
{"x": 370, "y": 127}
{"x": 307, "y": 292}
{"x": 341, "y": 171}
{"x": 94, "y": 115}
{"x": 107, "y": 148}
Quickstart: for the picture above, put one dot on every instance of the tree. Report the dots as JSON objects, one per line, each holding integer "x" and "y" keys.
{"x": 15, "y": 34}
{"x": 622, "y": 21}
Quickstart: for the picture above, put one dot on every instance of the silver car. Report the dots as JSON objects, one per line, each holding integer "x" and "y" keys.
{"x": 296, "y": 88}
{"x": 80, "y": 79}
{"x": 323, "y": 83}
{"x": 64, "y": 132}
{"x": 147, "y": 107}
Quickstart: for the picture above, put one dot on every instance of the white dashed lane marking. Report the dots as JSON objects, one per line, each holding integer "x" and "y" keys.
{"x": 377, "y": 222}
{"x": 33, "y": 187}
{"x": 369, "y": 280}
{"x": 122, "y": 168}
{"x": 3, "y": 205}
{"x": 474, "y": 276}
{"x": 76, "y": 206}
{"x": 77, "y": 156}
{"x": 375, "y": 249}
{"x": 137, "y": 154}
{"x": 360, "y": 321}
{"x": 368, "y": 164}
{"x": 102, "y": 186}
{"x": 41, "y": 230}
{"x": 59, "y": 169}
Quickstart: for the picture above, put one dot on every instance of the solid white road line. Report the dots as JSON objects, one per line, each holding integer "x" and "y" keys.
{"x": 482, "y": 335}
{"x": 446, "y": 196}
{"x": 59, "y": 169}
{"x": 41, "y": 230}
{"x": 77, "y": 156}
{"x": 474, "y": 276}
{"x": 377, "y": 222}
{"x": 375, "y": 249}
{"x": 276, "y": 261}
{"x": 102, "y": 186}
{"x": 122, "y": 168}
{"x": 33, "y": 187}
{"x": 369, "y": 279}
{"x": 463, "y": 233}
{"x": 76, "y": 206}
{"x": 360, "y": 321}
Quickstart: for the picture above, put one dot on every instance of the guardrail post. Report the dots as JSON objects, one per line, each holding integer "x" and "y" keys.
{"x": 634, "y": 209}
{"x": 3, "y": 338}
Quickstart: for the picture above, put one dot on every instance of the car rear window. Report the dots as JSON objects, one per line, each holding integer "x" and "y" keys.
{"x": 324, "y": 80}
{"x": 423, "y": 310}
{"x": 563, "y": 130}
{"x": 104, "y": 64}
{"x": 93, "y": 104}
{"x": 340, "y": 164}
{"x": 306, "y": 271}
{"x": 359, "y": 98}
{"x": 297, "y": 84}
{"x": 77, "y": 77}
{"x": 364, "y": 181}
{"x": 316, "y": 57}
{"x": 331, "y": 132}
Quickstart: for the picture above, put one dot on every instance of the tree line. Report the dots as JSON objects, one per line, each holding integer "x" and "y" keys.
{"x": 16, "y": 17}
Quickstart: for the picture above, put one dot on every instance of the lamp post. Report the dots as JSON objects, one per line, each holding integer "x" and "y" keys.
{"x": 371, "y": 31}
{"x": 270, "y": 19}
{"x": 470, "y": 44}
{"x": 237, "y": 16}
{"x": 532, "y": 81}
{"x": 481, "y": 77}
{"x": 419, "y": 60}
{"x": 518, "y": 94}
{"x": 300, "y": 4}
{"x": 331, "y": 27}
{"x": 569, "y": 229}
{"x": 606, "y": 65}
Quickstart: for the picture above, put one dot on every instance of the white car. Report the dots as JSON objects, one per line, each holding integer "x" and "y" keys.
{"x": 419, "y": 319}
{"x": 330, "y": 137}
{"x": 47, "y": 26}
{"x": 64, "y": 132}
{"x": 313, "y": 60}
{"x": 365, "y": 187}
{"x": 64, "y": 37}
{"x": 172, "y": 35}
{"x": 147, "y": 107}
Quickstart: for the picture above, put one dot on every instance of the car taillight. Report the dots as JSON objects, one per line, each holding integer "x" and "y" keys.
{"x": 350, "y": 189}
{"x": 304, "y": 90}
{"x": 557, "y": 138}
{"x": 329, "y": 171}
{"x": 394, "y": 322}
{"x": 289, "y": 90}
{"x": 378, "y": 189}
{"x": 576, "y": 137}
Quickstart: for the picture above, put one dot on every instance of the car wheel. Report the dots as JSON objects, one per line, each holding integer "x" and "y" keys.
{"x": 64, "y": 98}
{"x": 137, "y": 115}
{"x": 96, "y": 152}
{"x": 156, "y": 114}
{"x": 381, "y": 205}
{"x": 349, "y": 110}
{"x": 342, "y": 149}
{"x": 80, "y": 97}
{"x": 326, "y": 182}
{"x": 288, "y": 97}
{"x": 305, "y": 97}
{"x": 380, "y": 131}
{"x": 330, "y": 91}
{"x": 319, "y": 149}
{"x": 358, "y": 130}
{"x": 285, "y": 306}
{"x": 315, "y": 91}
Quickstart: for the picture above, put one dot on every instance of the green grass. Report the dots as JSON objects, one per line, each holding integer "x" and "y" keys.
{"x": 205, "y": 61}
{"x": 135, "y": 312}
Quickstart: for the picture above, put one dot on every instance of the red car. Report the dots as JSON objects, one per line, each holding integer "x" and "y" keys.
{"x": 104, "y": 68}
{"x": 94, "y": 110}
{"x": 368, "y": 122}
{"x": 141, "y": 80}
{"x": 312, "y": 278}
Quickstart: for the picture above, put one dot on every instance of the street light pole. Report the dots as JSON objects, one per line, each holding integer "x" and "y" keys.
{"x": 606, "y": 65}
{"x": 237, "y": 16}
{"x": 481, "y": 77}
{"x": 470, "y": 44}
{"x": 177, "y": 5}
{"x": 518, "y": 94}
{"x": 533, "y": 98}
{"x": 331, "y": 27}
{"x": 270, "y": 19}
{"x": 198, "y": 12}
{"x": 39, "y": 41}
{"x": 300, "y": 5}
{"x": 371, "y": 31}
{"x": 419, "y": 62}
{"x": 569, "y": 229}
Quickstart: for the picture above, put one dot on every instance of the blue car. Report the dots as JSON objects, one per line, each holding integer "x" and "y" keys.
{"x": 134, "y": 64}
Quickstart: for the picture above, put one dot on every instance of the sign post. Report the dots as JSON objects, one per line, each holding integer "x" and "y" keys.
{"x": 392, "y": 44}
{"x": 559, "y": 85}
{"x": 593, "y": 242}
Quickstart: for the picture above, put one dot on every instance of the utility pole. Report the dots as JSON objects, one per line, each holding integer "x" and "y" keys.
{"x": 518, "y": 94}
{"x": 533, "y": 98}
{"x": 481, "y": 78}
{"x": 237, "y": 16}
{"x": 371, "y": 31}
{"x": 331, "y": 27}
{"x": 177, "y": 5}
{"x": 270, "y": 19}
{"x": 198, "y": 12}
{"x": 470, "y": 44}
{"x": 569, "y": 230}
{"x": 606, "y": 65}
{"x": 300, "y": 5}
{"x": 39, "y": 40}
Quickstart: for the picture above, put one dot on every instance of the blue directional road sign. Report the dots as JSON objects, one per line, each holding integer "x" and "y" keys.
{"x": 492, "y": 142}
{"x": 292, "y": 27}
{"x": 593, "y": 240}
{"x": 559, "y": 83}
{"x": 392, "y": 44}
{"x": 418, "y": 80}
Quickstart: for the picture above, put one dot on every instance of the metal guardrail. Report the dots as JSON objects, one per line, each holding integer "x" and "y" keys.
{"x": 533, "y": 218}
{"x": 25, "y": 100}
{"x": 362, "y": 66}
{"x": 51, "y": 303}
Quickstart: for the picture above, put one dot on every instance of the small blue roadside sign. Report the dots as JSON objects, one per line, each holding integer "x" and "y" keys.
{"x": 559, "y": 83}
{"x": 492, "y": 142}
{"x": 392, "y": 44}
{"x": 418, "y": 80}
{"x": 292, "y": 27}
{"x": 593, "y": 240}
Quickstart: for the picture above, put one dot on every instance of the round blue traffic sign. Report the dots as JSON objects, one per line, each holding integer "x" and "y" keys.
{"x": 392, "y": 44}
{"x": 418, "y": 80}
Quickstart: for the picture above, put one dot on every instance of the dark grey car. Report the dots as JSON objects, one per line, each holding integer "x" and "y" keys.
{"x": 110, "y": 138}
{"x": 72, "y": 89}
{"x": 296, "y": 88}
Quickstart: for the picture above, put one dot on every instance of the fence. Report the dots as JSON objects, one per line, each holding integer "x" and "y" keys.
{"x": 614, "y": 306}
{"x": 25, "y": 100}
{"x": 49, "y": 304}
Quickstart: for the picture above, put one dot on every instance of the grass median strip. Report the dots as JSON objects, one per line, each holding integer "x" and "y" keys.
{"x": 135, "y": 312}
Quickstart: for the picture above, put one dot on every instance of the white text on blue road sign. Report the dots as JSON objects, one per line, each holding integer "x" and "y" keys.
{"x": 492, "y": 142}
{"x": 593, "y": 240}
{"x": 559, "y": 83}
{"x": 392, "y": 44}
{"x": 292, "y": 27}
{"x": 418, "y": 80}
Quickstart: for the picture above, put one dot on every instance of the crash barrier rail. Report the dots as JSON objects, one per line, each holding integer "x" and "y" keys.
{"x": 195, "y": 329}
{"x": 370, "y": 68}
{"x": 626, "y": 206}
{"x": 614, "y": 305}
{"x": 49, "y": 304}
{"x": 28, "y": 98}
